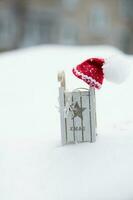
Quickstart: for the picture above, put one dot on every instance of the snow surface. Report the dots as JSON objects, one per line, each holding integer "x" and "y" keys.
{"x": 33, "y": 164}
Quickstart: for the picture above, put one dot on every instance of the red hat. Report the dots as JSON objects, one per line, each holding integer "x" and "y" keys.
{"x": 91, "y": 72}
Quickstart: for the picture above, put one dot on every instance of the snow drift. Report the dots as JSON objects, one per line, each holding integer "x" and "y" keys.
{"x": 33, "y": 164}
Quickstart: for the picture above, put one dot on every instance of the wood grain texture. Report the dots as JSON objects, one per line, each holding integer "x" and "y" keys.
{"x": 70, "y": 121}
{"x": 86, "y": 116}
{"x": 92, "y": 115}
{"x": 77, "y": 120}
{"x": 62, "y": 117}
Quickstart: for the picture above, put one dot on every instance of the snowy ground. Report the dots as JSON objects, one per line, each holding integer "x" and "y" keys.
{"x": 33, "y": 164}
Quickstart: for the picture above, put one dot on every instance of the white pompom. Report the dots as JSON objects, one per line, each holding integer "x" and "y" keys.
{"x": 116, "y": 69}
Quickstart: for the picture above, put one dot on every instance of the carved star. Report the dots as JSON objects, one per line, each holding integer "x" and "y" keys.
{"x": 77, "y": 110}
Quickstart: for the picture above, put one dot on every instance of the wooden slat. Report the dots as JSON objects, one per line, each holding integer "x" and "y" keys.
{"x": 93, "y": 115}
{"x": 62, "y": 118}
{"x": 95, "y": 112}
{"x": 77, "y": 119}
{"x": 69, "y": 120}
{"x": 86, "y": 116}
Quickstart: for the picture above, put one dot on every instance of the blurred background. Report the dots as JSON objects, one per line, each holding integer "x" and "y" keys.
{"x": 25, "y": 23}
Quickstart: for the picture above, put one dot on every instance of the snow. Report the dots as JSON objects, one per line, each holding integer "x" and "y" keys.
{"x": 33, "y": 164}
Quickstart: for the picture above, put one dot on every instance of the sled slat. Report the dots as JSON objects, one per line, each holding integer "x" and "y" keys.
{"x": 77, "y": 120}
{"x": 86, "y": 116}
{"x": 70, "y": 122}
{"x": 62, "y": 117}
{"x": 93, "y": 115}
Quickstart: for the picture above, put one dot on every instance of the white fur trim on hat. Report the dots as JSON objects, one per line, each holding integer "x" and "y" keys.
{"x": 87, "y": 79}
{"x": 116, "y": 69}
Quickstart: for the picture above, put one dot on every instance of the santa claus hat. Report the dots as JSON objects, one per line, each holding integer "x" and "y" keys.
{"x": 94, "y": 70}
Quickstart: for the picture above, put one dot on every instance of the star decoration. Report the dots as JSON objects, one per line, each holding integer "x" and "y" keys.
{"x": 77, "y": 110}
